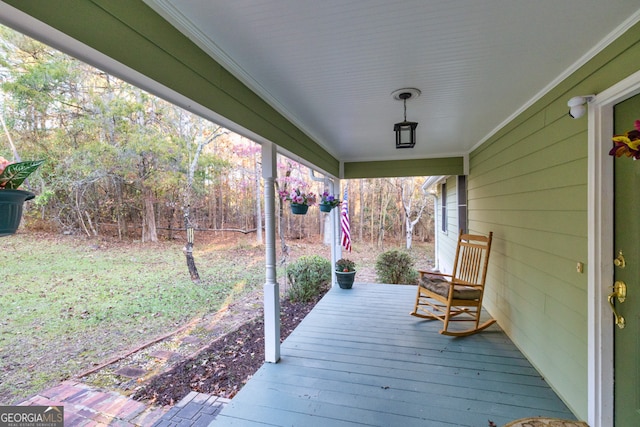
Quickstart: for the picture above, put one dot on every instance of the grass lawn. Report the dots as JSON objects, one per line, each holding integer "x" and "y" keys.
{"x": 68, "y": 303}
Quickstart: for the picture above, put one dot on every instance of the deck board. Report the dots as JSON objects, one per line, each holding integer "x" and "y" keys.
{"x": 360, "y": 359}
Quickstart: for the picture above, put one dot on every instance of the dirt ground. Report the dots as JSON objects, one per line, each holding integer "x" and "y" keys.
{"x": 222, "y": 368}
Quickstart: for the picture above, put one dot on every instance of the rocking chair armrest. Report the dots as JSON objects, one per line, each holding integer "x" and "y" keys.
{"x": 432, "y": 273}
{"x": 458, "y": 282}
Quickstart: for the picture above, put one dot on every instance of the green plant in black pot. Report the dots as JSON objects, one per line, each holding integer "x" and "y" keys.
{"x": 345, "y": 273}
{"x": 12, "y": 175}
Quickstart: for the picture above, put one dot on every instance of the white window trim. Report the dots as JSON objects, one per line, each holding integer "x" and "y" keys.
{"x": 444, "y": 209}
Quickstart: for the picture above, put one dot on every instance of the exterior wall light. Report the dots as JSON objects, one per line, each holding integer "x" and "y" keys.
{"x": 405, "y": 131}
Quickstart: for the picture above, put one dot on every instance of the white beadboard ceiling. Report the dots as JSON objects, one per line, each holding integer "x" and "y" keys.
{"x": 330, "y": 65}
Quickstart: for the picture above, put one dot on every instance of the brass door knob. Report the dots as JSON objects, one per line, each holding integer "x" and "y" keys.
{"x": 619, "y": 292}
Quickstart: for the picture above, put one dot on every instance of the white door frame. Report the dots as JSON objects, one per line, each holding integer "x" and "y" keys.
{"x": 600, "y": 249}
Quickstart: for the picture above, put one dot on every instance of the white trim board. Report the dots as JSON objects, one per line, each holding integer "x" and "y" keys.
{"x": 600, "y": 249}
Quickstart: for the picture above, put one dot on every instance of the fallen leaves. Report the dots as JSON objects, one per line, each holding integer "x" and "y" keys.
{"x": 226, "y": 365}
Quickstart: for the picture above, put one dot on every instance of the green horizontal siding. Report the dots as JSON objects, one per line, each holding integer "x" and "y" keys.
{"x": 528, "y": 184}
{"x": 398, "y": 168}
{"x": 135, "y": 35}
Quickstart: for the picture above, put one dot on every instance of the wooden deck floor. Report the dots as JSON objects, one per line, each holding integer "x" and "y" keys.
{"x": 360, "y": 359}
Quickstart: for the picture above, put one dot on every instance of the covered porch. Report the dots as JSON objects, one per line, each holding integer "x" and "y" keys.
{"x": 540, "y": 180}
{"x": 359, "y": 358}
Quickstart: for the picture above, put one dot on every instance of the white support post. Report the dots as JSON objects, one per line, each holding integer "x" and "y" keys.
{"x": 336, "y": 247}
{"x": 271, "y": 286}
{"x": 332, "y": 216}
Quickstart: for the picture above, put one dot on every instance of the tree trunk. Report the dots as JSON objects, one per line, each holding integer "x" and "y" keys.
{"x": 408, "y": 233}
{"x": 79, "y": 213}
{"x": 188, "y": 248}
{"x": 120, "y": 214}
{"x": 188, "y": 225}
{"x": 149, "y": 232}
{"x": 385, "y": 198}
{"x": 407, "y": 203}
{"x": 372, "y": 216}
{"x": 381, "y": 220}
{"x": 216, "y": 202}
{"x": 170, "y": 216}
{"x": 221, "y": 203}
{"x": 16, "y": 156}
{"x": 284, "y": 248}
{"x": 361, "y": 206}
{"x": 256, "y": 171}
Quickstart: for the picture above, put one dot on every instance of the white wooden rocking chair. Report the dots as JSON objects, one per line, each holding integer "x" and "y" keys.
{"x": 447, "y": 296}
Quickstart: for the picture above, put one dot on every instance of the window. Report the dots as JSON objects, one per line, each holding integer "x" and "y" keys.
{"x": 462, "y": 203}
{"x": 444, "y": 207}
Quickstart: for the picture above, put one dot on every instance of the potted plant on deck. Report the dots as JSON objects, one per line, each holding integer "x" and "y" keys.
{"x": 345, "y": 273}
{"x": 12, "y": 175}
{"x": 300, "y": 201}
{"x": 328, "y": 202}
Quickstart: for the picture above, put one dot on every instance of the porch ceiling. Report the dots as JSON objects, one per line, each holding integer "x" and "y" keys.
{"x": 330, "y": 66}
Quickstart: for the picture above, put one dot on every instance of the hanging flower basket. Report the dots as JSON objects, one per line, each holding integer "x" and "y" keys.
{"x": 11, "y": 202}
{"x": 300, "y": 201}
{"x": 328, "y": 202}
{"x": 325, "y": 207}
{"x": 299, "y": 209}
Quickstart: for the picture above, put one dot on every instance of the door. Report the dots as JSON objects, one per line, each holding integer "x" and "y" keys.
{"x": 627, "y": 240}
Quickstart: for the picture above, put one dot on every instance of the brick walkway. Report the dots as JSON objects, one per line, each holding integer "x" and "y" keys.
{"x": 85, "y": 406}
{"x": 196, "y": 409}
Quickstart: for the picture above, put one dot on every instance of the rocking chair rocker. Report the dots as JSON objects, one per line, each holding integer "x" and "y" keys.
{"x": 447, "y": 296}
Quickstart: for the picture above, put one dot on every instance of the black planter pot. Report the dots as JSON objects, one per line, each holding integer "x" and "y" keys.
{"x": 11, "y": 209}
{"x": 345, "y": 279}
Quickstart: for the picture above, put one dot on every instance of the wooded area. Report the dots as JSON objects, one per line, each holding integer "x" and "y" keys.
{"x": 122, "y": 162}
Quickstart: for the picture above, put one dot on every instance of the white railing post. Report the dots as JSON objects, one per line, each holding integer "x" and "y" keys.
{"x": 271, "y": 286}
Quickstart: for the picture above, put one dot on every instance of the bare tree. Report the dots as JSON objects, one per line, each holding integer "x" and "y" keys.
{"x": 408, "y": 190}
{"x": 186, "y": 207}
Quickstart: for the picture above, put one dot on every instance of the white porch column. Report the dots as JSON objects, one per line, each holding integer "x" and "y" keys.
{"x": 336, "y": 248}
{"x": 271, "y": 286}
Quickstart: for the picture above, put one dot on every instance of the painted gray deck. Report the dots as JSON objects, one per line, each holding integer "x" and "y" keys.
{"x": 360, "y": 359}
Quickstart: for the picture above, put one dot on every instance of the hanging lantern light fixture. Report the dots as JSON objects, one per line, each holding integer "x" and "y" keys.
{"x": 405, "y": 131}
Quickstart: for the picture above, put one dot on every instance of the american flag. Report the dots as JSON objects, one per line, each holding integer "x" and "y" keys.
{"x": 344, "y": 223}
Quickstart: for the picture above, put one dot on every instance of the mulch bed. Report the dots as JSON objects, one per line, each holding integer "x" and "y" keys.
{"x": 226, "y": 365}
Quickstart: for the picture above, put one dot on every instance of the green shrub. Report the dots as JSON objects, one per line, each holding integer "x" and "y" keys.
{"x": 396, "y": 267}
{"x": 309, "y": 276}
